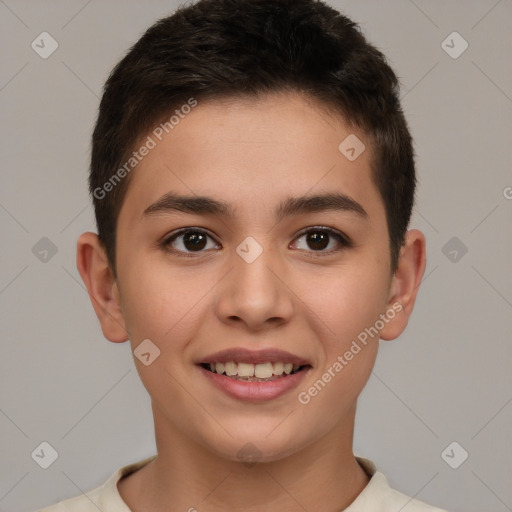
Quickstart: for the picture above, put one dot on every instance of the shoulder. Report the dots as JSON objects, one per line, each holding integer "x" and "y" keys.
{"x": 80, "y": 503}
{"x": 378, "y": 496}
{"x": 407, "y": 504}
{"x": 105, "y": 497}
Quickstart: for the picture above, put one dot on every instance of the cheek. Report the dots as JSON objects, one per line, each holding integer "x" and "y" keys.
{"x": 163, "y": 309}
{"x": 346, "y": 301}
{"x": 346, "y": 307}
{"x": 156, "y": 302}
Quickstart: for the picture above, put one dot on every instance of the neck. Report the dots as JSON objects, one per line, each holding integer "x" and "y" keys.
{"x": 186, "y": 476}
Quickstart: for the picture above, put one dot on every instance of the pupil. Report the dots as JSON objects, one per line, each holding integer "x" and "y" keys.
{"x": 318, "y": 240}
{"x": 194, "y": 241}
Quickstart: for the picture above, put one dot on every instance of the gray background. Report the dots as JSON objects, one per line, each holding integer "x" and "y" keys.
{"x": 446, "y": 379}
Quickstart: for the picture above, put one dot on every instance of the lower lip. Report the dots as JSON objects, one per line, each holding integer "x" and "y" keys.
{"x": 255, "y": 391}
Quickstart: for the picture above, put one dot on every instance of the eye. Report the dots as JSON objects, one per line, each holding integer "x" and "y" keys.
{"x": 320, "y": 238}
{"x": 317, "y": 239}
{"x": 188, "y": 241}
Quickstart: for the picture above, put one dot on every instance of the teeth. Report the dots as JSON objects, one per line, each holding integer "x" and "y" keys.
{"x": 260, "y": 370}
{"x": 245, "y": 370}
{"x": 278, "y": 368}
{"x": 231, "y": 369}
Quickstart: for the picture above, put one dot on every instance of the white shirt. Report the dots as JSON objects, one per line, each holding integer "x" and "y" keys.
{"x": 377, "y": 496}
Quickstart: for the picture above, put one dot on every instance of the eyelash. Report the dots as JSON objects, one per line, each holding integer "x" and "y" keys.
{"x": 343, "y": 240}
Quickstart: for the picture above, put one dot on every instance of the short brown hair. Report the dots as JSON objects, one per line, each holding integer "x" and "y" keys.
{"x": 223, "y": 48}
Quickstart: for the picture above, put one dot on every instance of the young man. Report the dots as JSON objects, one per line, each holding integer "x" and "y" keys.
{"x": 253, "y": 179}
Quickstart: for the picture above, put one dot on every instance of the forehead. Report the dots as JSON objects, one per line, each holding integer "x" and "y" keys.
{"x": 251, "y": 153}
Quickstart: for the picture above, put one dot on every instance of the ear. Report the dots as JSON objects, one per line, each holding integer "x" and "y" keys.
{"x": 405, "y": 284}
{"x": 92, "y": 263}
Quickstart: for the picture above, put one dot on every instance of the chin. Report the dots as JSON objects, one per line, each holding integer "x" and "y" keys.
{"x": 256, "y": 446}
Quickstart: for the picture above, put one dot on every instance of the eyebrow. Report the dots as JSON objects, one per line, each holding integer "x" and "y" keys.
{"x": 202, "y": 205}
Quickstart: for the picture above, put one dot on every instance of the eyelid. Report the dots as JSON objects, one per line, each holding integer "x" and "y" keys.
{"x": 187, "y": 229}
{"x": 344, "y": 240}
{"x": 167, "y": 239}
{"x": 328, "y": 229}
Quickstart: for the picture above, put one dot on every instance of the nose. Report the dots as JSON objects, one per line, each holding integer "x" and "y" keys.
{"x": 255, "y": 293}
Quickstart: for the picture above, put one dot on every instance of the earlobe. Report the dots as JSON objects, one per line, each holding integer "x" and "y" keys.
{"x": 405, "y": 284}
{"x": 92, "y": 264}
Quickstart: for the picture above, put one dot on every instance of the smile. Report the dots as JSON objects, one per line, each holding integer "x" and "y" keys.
{"x": 254, "y": 382}
{"x": 249, "y": 372}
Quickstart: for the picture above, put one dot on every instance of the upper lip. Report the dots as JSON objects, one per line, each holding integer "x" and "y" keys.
{"x": 244, "y": 355}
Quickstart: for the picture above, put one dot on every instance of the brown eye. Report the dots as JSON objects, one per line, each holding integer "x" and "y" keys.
{"x": 189, "y": 241}
{"x": 194, "y": 241}
{"x": 322, "y": 240}
{"x": 317, "y": 240}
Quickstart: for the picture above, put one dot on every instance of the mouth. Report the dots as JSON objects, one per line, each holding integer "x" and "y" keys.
{"x": 249, "y": 372}
{"x": 254, "y": 375}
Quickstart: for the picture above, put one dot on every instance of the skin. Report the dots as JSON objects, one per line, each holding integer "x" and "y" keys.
{"x": 252, "y": 154}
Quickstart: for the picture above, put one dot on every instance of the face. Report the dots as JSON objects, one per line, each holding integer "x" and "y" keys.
{"x": 246, "y": 236}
